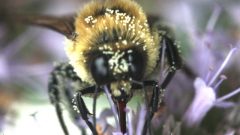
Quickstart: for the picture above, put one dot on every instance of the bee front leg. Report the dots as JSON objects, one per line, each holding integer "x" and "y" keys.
{"x": 175, "y": 62}
{"x": 82, "y": 108}
{"x": 153, "y": 105}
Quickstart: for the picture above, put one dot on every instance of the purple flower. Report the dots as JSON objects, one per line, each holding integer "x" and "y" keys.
{"x": 206, "y": 96}
{"x": 203, "y": 101}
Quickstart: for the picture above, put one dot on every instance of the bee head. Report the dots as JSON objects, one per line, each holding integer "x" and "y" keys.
{"x": 110, "y": 66}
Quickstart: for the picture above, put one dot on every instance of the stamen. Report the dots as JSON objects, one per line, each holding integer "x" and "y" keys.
{"x": 231, "y": 94}
{"x": 114, "y": 110}
{"x": 225, "y": 104}
{"x": 222, "y": 66}
{"x": 208, "y": 74}
{"x": 222, "y": 78}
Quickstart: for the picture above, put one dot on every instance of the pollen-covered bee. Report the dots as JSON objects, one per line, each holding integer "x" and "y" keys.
{"x": 111, "y": 44}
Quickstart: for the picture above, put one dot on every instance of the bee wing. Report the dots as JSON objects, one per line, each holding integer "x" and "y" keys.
{"x": 63, "y": 25}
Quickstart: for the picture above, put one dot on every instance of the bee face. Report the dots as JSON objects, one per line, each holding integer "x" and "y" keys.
{"x": 110, "y": 66}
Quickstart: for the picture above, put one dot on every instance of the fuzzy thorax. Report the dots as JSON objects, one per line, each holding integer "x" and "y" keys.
{"x": 110, "y": 26}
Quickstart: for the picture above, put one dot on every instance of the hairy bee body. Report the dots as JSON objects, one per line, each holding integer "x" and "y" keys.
{"x": 114, "y": 48}
{"x": 112, "y": 28}
{"x": 110, "y": 45}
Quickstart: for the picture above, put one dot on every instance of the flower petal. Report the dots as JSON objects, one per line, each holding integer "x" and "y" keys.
{"x": 204, "y": 100}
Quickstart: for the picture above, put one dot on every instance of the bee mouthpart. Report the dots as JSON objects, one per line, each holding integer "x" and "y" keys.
{"x": 121, "y": 90}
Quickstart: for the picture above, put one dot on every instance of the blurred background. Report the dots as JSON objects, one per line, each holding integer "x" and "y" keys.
{"x": 206, "y": 31}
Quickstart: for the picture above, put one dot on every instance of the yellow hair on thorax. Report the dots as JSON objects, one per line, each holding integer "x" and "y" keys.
{"x": 97, "y": 17}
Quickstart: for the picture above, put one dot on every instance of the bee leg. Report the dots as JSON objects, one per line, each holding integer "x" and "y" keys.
{"x": 54, "y": 94}
{"x": 55, "y": 101}
{"x": 84, "y": 112}
{"x": 172, "y": 51}
{"x": 82, "y": 108}
{"x": 175, "y": 63}
{"x": 75, "y": 116}
{"x": 153, "y": 105}
{"x": 157, "y": 91}
{"x": 58, "y": 92}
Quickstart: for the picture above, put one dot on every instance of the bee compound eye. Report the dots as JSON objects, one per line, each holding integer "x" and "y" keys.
{"x": 100, "y": 66}
{"x": 137, "y": 65}
{"x": 99, "y": 70}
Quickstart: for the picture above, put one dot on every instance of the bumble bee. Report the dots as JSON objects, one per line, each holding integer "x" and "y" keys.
{"x": 111, "y": 44}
